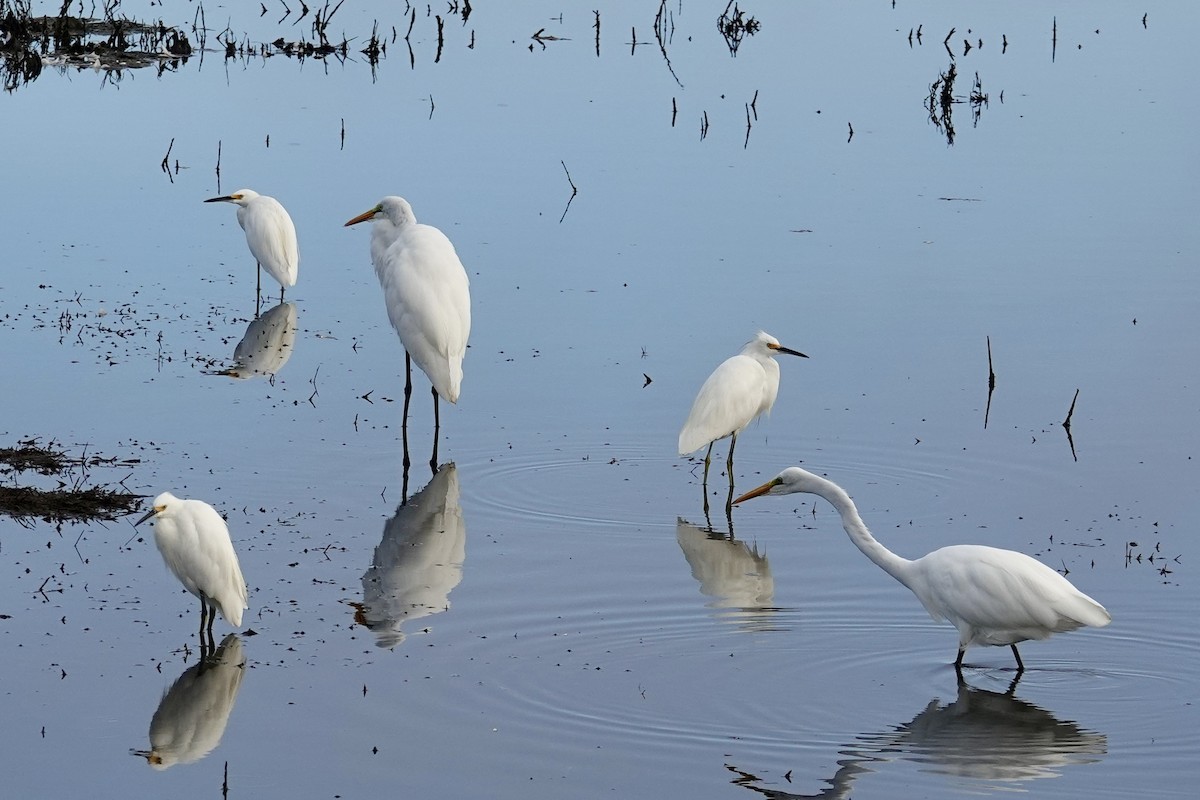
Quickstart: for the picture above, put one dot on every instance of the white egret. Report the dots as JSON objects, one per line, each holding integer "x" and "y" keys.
{"x": 993, "y": 596}
{"x": 270, "y": 235}
{"x": 191, "y": 717}
{"x": 428, "y": 301}
{"x": 194, "y": 543}
{"x": 742, "y": 388}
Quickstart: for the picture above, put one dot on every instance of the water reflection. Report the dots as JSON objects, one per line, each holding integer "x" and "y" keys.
{"x": 993, "y": 738}
{"x": 191, "y": 718}
{"x": 418, "y": 562}
{"x": 735, "y": 575}
{"x": 267, "y": 344}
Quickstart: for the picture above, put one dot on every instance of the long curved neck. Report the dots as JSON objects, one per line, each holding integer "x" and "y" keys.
{"x": 856, "y": 529}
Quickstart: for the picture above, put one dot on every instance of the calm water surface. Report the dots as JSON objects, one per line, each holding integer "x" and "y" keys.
{"x": 554, "y": 616}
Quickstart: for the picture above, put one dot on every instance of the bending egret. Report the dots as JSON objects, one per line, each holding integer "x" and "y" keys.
{"x": 742, "y": 388}
{"x": 428, "y": 301}
{"x": 270, "y": 235}
{"x": 993, "y": 596}
{"x": 194, "y": 543}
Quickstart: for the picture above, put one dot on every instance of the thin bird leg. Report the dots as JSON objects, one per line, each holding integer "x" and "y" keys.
{"x": 958, "y": 661}
{"x": 407, "y": 397}
{"x": 707, "y": 461}
{"x": 729, "y": 462}
{"x": 729, "y": 469}
{"x": 1020, "y": 663}
{"x": 203, "y": 618}
{"x": 437, "y": 426}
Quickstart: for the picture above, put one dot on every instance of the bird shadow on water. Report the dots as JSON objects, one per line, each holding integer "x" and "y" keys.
{"x": 266, "y": 346}
{"x": 417, "y": 563}
{"x": 983, "y": 738}
{"x": 191, "y": 717}
{"x": 736, "y": 576}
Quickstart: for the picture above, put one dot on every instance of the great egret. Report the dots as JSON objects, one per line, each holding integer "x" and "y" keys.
{"x": 739, "y": 390}
{"x": 428, "y": 300}
{"x": 270, "y": 235}
{"x": 993, "y": 596}
{"x": 194, "y": 543}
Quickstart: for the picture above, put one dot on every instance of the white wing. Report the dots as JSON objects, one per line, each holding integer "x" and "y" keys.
{"x": 429, "y": 303}
{"x": 726, "y": 403}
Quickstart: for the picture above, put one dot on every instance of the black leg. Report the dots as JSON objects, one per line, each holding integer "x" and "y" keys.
{"x": 407, "y": 397}
{"x": 729, "y": 461}
{"x": 437, "y": 427}
{"x": 707, "y": 461}
{"x": 203, "y": 619}
{"x": 729, "y": 469}
{"x": 958, "y": 661}
{"x": 1020, "y": 663}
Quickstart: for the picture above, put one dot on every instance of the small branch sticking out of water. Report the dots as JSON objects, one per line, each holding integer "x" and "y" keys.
{"x": 596, "y": 25}
{"x": 661, "y": 35}
{"x": 574, "y": 191}
{"x": 851, "y": 136}
{"x": 704, "y": 126}
{"x": 166, "y": 166}
{"x": 1054, "y": 40}
{"x": 343, "y": 138}
{"x": 218, "y": 166}
{"x": 991, "y": 384}
{"x": 674, "y": 111}
{"x": 313, "y": 381}
{"x": 1067, "y": 425}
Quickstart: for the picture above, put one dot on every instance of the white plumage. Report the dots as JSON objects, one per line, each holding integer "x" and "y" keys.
{"x": 992, "y": 596}
{"x": 194, "y": 543}
{"x": 270, "y": 234}
{"x": 425, "y": 289}
{"x": 738, "y": 391}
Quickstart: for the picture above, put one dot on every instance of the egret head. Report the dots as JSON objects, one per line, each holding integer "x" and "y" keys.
{"x": 241, "y": 197}
{"x": 791, "y": 481}
{"x": 766, "y": 344}
{"x": 161, "y": 504}
{"x": 395, "y": 210}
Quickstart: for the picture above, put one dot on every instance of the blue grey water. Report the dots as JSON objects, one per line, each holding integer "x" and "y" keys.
{"x": 554, "y": 617}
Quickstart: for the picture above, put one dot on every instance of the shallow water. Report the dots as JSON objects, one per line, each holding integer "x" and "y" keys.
{"x": 572, "y": 628}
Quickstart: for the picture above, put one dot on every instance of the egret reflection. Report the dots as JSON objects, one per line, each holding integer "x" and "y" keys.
{"x": 191, "y": 718}
{"x": 734, "y": 574}
{"x": 418, "y": 562}
{"x": 989, "y": 740}
{"x": 267, "y": 344}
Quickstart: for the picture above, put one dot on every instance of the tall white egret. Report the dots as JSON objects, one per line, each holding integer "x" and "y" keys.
{"x": 738, "y": 391}
{"x": 993, "y": 596}
{"x": 194, "y": 543}
{"x": 428, "y": 301}
{"x": 270, "y": 235}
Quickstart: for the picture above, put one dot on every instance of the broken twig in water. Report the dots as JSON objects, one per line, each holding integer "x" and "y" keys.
{"x": 991, "y": 384}
{"x": 1066, "y": 423}
{"x": 574, "y": 191}
{"x": 166, "y": 166}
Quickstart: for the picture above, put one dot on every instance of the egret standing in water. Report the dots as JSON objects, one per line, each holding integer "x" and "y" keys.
{"x": 993, "y": 596}
{"x": 194, "y": 543}
{"x": 428, "y": 301}
{"x": 738, "y": 391}
{"x": 270, "y": 235}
